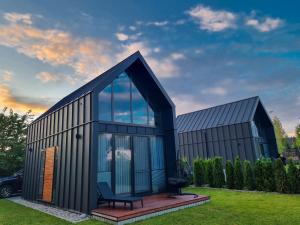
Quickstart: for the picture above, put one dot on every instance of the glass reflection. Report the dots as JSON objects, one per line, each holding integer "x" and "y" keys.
{"x": 139, "y": 107}
{"x": 122, "y": 99}
{"x": 104, "y": 99}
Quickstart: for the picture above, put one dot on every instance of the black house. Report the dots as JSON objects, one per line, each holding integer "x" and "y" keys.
{"x": 242, "y": 128}
{"x": 118, "y": 128}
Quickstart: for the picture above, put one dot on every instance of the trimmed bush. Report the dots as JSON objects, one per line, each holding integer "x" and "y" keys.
{"x": 199, "y": 172}
{"x": 229, "y": 175}
{"x": 292, "y": 177}
{"x": 258, "y": 175}
{"x": 218, "y": 173}
{"x": 248, "y": 175}
{"x": 238, "y": 174}
{"x": 209, "y": 172}
{"x": 280, "y": 176}
{"x": 268, "y": 174}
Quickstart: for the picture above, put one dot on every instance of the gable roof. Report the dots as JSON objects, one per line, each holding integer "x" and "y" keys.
{"x": 112, "y": 72}
{"x": 231, "y": 113}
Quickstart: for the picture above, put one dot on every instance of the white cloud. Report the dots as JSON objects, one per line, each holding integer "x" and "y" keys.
{"x": 14, "y": 17}
{"x": 266, "y": 25}
{"x": 215, "y": 91}
{"x": 187, "y": 103}
{"x": 158, "y": 23}
{"x": 163, "y": 68}
{"x": 156, "y": 50}
{"x": 177, "y": 56}
{"x": 7, "y": 75}
{"x": 46, "y": 77}
{"x": 212, "y": 20}
{"x": 122, "y": 36}
{"x": 199, "y": 51}
{"x": 133, "y": 28}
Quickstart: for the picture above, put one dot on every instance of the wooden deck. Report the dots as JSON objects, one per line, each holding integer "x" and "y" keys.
{"x": 154, "y": 205}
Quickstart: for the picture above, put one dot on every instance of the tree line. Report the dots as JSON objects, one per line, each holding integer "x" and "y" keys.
{"x": 13, "y": 132}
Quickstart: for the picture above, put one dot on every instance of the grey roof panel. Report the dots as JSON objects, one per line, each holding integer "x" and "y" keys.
{"x": 231, "y": 113}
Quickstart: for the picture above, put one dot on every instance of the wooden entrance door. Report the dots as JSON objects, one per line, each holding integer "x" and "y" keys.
{"x": 48, "y": 175}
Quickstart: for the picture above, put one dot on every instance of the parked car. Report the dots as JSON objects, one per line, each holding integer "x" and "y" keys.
{"x": 11, "y": 185}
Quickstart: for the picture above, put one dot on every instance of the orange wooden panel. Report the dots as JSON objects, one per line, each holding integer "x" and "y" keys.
{"x": 48, "y": 174}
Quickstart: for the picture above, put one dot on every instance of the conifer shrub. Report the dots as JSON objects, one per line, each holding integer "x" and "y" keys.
{"x": 248, "y": 176}
{"x": 218, "y": 173}
{"x": 268, "y": 175}
{"x": 280, "y": 176}
{"x": 258, "y": 175}
{"x": 229, "y": 175}
{"x": 209, "y": 172}
{"x": 238, "y": 174}
{"x": 199, "y": 172}
{"x": 292, "y": 177}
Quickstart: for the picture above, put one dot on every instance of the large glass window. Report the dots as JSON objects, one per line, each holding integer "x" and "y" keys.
{"x": 139, "y": 107}
{"x": 122, "y": 102}
{"x": 157, "y": 164}
{"x": 104, "y": 103}
{"x": 104, "y": 158}
{"x": 123, "y": 164}
{"x": 122, "y": 99}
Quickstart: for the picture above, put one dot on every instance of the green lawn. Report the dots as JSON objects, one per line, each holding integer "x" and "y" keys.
{"x": 226, "y": 207}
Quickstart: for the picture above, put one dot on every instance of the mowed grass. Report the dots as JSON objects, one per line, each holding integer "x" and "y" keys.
{"x": 226, "y": 207}
{"x": 236, "y": 207}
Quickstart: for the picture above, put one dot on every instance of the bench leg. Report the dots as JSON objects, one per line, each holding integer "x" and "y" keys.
{"x": 114, "y": 204}
{"x": 142, "y": 202}
{"x": 131, "y": 205}
{"x": 124, "y": 204}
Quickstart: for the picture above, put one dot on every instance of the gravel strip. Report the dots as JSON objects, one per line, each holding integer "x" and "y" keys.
{"x": 53, "y": 211}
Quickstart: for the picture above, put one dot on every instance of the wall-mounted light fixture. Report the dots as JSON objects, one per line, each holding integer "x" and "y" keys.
{"x": 78, "y": 136}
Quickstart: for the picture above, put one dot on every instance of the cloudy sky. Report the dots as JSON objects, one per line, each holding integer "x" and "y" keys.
{"x": 204, "y": 53}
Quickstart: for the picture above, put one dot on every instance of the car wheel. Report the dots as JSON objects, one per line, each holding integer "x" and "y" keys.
{"x": 5, "y": 191}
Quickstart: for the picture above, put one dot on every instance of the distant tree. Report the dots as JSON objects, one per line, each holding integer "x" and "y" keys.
{"x": 280, "y": 176}
{"x": 297, "y": 141}
{"x": 238, "y": 174}
{"x": 281, "y": 137}
{"x": 13, "y": 131}
{"x": 248, "y": 175}
{"x": 229, "y": 175}
{"x": 218, "y": 173}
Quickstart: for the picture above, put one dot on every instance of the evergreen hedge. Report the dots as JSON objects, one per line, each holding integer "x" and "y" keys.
{"x": 268, "y": 175}
{"x": 280, "y": 176}
{"x": 258, "y": 175}
{"x": 229, "y": 175}
{"x": 218, "y": 174}
{"x": 238, "y": 174}
{"x": 199, "y": 172}
{"x": 209, "y": 172}
{"x": 292, "y": 177}
{"x": 264, "y": 175}
{"x": 248, "y": 176}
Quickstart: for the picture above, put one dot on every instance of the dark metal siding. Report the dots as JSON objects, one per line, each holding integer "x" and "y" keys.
{"x": 225, "y": 131}
{"x": 73, "y": 168}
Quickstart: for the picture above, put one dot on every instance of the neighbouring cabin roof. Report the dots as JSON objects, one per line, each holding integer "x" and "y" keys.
{"x": 112, "y": 72}
{"x": 231, "y": 113}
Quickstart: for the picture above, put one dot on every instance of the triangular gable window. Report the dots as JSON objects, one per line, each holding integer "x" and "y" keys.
{"x": 122, "y": 102}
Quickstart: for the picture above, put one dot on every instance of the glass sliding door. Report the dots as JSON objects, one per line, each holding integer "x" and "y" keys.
{"x": 104, "y": 158}
{"x": 141, "y": 164}
{"x": 122, "y": 164}
{"x": 157, "y": 164}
